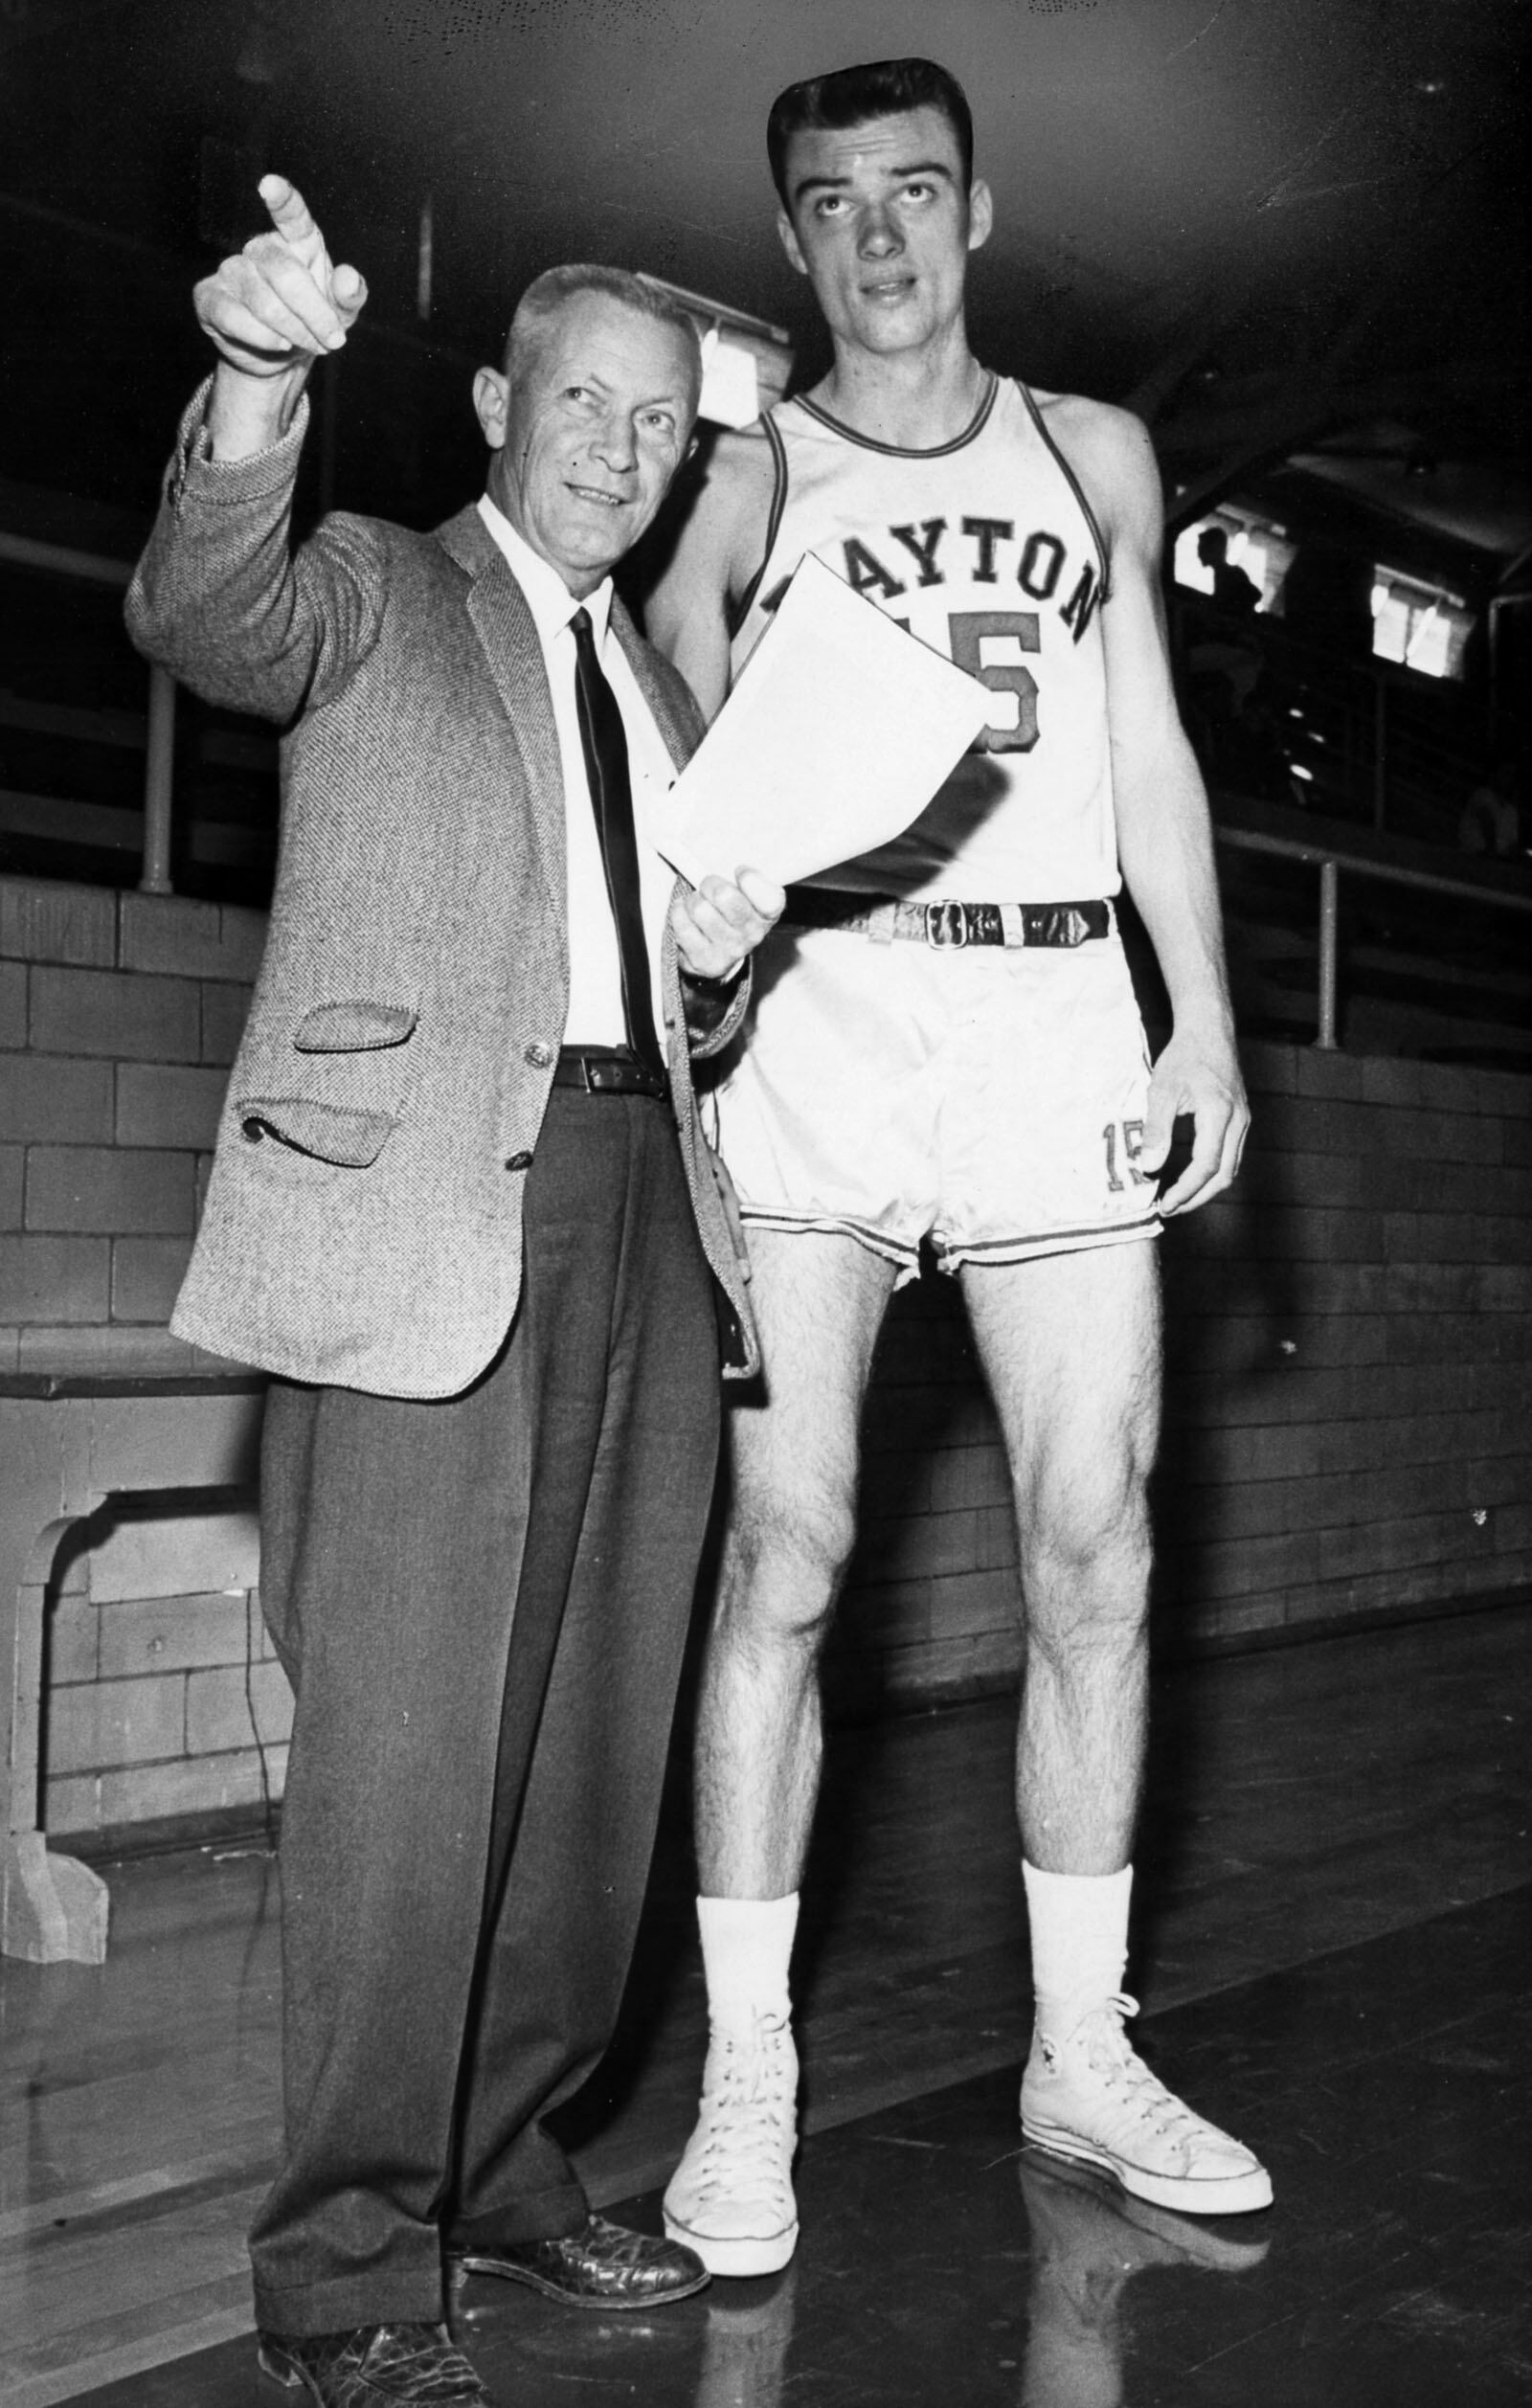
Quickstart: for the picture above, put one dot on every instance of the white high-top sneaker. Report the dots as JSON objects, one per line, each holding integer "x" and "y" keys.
{"x": 731, "y": 2198}
{"x": 1086, "y": 2094}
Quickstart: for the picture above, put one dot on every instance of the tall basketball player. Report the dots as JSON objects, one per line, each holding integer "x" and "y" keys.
{"x": 946, "y": 1048}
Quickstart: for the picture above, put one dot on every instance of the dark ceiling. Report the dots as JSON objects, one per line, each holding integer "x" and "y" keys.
{"x": 1276, "y": 226}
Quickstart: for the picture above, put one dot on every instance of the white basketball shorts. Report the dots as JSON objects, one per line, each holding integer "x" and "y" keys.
{"x": 987, "y": 1099}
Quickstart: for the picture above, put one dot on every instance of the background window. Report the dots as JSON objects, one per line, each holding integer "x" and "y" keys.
{"x": 1255, "y": 545}
{"x": 1421, "y": 626}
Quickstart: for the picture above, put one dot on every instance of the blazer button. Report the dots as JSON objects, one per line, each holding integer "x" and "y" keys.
{"x": 539, "y": 1054}
{"x": 518, "y": 1161}
{"x": 252, "y": 1130}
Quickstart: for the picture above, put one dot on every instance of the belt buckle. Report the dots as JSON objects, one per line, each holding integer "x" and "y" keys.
{"x": 599, "y": 1073}
{"x": 946, "y": 925}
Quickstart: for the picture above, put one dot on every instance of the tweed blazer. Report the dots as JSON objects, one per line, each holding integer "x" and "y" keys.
{"x": 363, "y": 1225}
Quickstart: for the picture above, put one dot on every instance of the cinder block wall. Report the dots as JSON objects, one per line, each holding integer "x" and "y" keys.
{"x": 1349, "y": 1406}
{"x": 1351, "y": 1351}
{"x": 1348, "y": 1422}
{"x": 119, "y": 1018}
{"x": 165, "y": 1701}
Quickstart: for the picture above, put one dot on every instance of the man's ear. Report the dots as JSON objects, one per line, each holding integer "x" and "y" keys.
{"x": 790, "y": 242}
{"x": 490, "y": 397}
{"x": 980, "y": 213}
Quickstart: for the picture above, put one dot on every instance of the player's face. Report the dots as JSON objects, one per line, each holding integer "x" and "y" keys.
{"x": 590, "y": 436}
{"x": 881, "y": 223}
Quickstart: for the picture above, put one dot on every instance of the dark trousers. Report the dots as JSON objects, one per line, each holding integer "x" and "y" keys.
{"x": 482, "y": 1605}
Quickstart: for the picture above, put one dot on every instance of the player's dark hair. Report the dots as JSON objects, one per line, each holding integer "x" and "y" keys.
{"x": 886, "y": 87}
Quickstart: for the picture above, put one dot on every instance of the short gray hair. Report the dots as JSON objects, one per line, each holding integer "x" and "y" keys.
{"x": 552, "y": 292}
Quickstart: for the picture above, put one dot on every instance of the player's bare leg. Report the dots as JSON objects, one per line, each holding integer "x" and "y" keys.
{"x": 1070, "y": 1346}
{"x": 819, "y": 1301}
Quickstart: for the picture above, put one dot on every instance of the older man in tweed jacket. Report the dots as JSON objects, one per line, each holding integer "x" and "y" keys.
{"x": 490, "y": 1268}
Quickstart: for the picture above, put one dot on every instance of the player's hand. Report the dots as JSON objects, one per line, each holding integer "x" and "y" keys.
{"x": 279, "y": 303}
{"x": 715, "y": 924}
{"x": 1196, "y": 1077}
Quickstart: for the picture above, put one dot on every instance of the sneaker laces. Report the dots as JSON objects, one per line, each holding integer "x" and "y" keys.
{"x": 748, "y": 2107}
{"x": 1141, "y": 2096}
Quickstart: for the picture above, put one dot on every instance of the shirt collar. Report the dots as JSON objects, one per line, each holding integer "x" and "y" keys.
{"x": 547, "y": 597}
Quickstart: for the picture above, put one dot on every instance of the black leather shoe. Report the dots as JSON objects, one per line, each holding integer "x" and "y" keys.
{"x": 602, "y": 2266}
{"x": 375, "y": 2365}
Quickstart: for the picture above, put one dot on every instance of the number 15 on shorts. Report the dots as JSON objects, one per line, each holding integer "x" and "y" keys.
{"x": 1123, "y": 1140}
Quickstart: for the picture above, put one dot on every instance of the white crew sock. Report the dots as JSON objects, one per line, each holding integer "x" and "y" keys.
{"x": 745, "y": 1946}
{"x": 1079, "y": 1927}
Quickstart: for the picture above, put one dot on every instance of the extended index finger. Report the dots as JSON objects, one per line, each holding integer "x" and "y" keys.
{"x": 289, "y": 209}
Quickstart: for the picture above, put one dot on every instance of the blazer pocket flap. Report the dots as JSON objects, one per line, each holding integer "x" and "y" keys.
{"x": 330, "y": 1134}
{"x": 354, "y": 1026}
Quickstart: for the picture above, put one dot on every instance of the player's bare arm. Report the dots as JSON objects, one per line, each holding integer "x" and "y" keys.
{"x": 718, "y": 552}
{"x": 270, "y": 311}
{"x": 1164, "y": 834}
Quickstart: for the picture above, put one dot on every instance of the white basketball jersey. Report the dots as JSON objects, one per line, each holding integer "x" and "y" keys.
{"x": 987, "y": 550}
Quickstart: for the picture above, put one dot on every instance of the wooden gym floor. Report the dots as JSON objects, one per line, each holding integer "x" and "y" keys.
{"x": 1333, "y": 1948}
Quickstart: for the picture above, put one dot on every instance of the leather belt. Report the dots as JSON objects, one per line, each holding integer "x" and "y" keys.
{"x": 948, "y": 925}
{"x": 600, "y": 1071}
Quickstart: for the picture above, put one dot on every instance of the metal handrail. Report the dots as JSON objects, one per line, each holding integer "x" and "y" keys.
{"x": 22, "y": 551}
{"x": 1330, "y": 859}
{"x": 96, "y": 568}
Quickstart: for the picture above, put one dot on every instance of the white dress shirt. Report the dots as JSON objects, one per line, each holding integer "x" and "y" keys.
{"x": 595, "y": 1016}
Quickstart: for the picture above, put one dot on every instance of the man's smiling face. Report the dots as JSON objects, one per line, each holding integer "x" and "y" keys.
{"x": 588, "y": 437}
{"x": 880, "y": 222}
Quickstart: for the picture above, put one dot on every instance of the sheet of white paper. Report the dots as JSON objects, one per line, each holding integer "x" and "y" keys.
{"x": 841, "y": 729}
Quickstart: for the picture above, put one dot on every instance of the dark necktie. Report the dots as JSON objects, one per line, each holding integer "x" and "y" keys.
{"x": 606, "y": 766}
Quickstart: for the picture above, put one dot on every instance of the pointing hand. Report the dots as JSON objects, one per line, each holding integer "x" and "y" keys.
{"x": 279, "y": 303}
